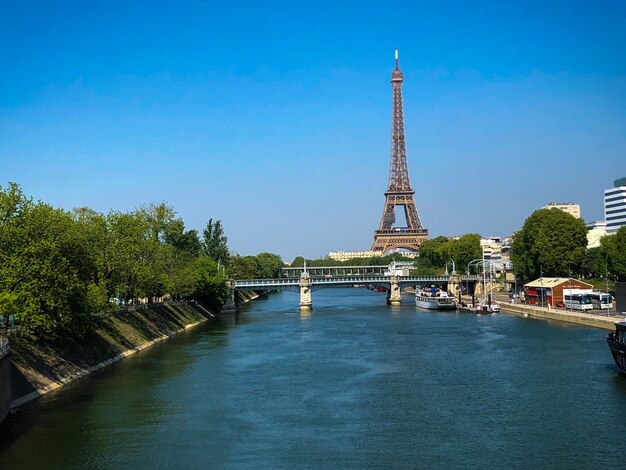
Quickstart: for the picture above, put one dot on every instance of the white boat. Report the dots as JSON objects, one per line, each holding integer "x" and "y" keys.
{"x": 486, "y": 308}
{"x": 434, "y": 299}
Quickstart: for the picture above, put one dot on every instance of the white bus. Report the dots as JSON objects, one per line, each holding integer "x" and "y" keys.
{"x": 601, "y": 300}
{"x": 578, "y": 301}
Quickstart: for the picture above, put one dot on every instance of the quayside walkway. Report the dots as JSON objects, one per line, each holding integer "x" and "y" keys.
{"x": 579, "y": 318}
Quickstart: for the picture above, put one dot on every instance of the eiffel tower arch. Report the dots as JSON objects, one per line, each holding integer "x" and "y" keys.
{"x": 399, "y": 192}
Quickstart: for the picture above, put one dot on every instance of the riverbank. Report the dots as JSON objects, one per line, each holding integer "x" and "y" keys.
{"x": 39, "y": 367}
{"x": 586, "y": 319}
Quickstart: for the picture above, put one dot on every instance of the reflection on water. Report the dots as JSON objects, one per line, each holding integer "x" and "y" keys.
{"x": 353, "y": 383}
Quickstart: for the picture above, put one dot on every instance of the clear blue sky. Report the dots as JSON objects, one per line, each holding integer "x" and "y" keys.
{"x": 275, "y": 116}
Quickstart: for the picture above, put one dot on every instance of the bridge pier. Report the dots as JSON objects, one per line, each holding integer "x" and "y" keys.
{"x": 454, "y": 285}
{"x": 306, "y": 303}
{"x": 232, "y": 303}
{"x": 393, "y": 295}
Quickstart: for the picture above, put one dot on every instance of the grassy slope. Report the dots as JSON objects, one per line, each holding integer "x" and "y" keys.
{"x": 43, "y": 366}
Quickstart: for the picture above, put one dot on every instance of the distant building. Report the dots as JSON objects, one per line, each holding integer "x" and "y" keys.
{"x": 492, "y": 247}
{"x": 568, "y": 207}
{"x": 595, "y": 231}
{"x": 507, "y": 244}
{"x": 615, "y": 206}
{"x": 347, "y": 255}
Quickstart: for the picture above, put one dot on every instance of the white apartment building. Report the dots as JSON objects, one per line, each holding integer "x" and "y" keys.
{"x": 346, "y": 255}
{"x": 568, "y": 207}
{"x": 492, "y": 247}
{"x": 615, "y": 206}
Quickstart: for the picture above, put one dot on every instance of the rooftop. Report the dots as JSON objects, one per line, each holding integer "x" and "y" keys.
{"x": 552, "y": 281}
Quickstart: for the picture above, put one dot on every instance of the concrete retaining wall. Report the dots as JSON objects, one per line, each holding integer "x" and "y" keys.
{"x": 5, "y": 379}
{"x": 587, "y": 319}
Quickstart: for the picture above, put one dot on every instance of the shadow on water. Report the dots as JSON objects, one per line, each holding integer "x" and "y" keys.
{"x": 136, "y": 376}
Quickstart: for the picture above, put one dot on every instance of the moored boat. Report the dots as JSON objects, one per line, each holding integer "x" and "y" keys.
{"x": 434, "y": 299}
{"x": 487, "y": 308}
{"x": 617, "y": 344}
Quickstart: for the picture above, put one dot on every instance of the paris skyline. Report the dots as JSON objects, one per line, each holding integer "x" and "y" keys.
{"x": 278, "y": 120}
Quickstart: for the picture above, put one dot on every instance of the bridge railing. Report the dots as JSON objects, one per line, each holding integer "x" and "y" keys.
{"x": 344, "y": 279}
{"x": 282, "y": 281}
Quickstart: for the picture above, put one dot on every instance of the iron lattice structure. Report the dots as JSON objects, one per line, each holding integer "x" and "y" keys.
{"x": 399, "y": 191}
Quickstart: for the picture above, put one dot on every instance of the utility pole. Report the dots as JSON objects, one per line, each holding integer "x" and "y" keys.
{"x": 606, "y": 277}
{"x": 541, "y": 281}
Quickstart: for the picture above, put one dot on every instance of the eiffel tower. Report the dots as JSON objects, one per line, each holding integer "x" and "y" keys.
{"x": 399, "y": 193}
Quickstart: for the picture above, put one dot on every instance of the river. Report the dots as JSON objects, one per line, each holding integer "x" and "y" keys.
{"x": 352, "y": 384}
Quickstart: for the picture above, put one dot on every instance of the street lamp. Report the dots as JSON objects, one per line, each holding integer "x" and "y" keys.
{"x": 453, "y": 267}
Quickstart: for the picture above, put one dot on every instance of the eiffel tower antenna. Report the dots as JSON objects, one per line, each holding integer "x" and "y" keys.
{"x": 399, "y": 191}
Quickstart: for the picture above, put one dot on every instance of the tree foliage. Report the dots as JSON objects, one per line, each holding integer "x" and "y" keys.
{"x": 551, "y": 242}
{"x": 60, "y": 270}
{"x": 263, "y": 265}
{"x": 439, "y": 251}
{"x": 214, "y": 242}
{"x": 613, "y": 255}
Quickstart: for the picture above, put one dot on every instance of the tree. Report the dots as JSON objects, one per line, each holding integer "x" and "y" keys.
{"x": 551, "y": 243}
{"x": 465, "y": 249}
{"x": 214, "y": 242}
{"x": 593, "y": 263}
{"x": 43, "y": 274}
{"x": 209, "y": 283}
{"x": 243, "y": 267}
{"x": 157, "y": 218}
{"x": 269, "y": 265}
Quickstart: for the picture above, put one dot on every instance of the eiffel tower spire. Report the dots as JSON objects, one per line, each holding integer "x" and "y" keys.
{"x": 399, "y": 191}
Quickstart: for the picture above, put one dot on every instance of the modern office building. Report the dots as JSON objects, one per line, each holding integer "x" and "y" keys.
{"x": 615, "y": 206}
{"x": 570, "y": 208}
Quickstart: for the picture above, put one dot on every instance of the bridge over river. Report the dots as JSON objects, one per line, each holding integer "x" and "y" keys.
{"x": 393, "y": 284}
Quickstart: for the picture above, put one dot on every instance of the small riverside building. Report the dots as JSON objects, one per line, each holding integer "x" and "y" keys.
{"x": 550, "y": 289}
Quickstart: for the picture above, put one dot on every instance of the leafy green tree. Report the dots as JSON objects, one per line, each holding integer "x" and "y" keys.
{"x": 551, "y": 243}
{"x": 183, "y": 241}
{"x": 243, "y": 267}
{"x": 43, "y": 275}
{"x": 593, "y": 263}
{"x": 297, "y": 262}
{"x": 269, "y": 265}
{"x": 613, "y": 254}
{"x": 435, "y": 250}
{"x": 214, "y": 242}
{"x": 465, "y": 249}
{"x": 157, "y": 218}
{"x": 209, "y": 283}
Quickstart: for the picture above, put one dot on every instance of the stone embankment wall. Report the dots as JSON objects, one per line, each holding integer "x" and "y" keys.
{"x": 587, "y": 319}
{"x": 41, "y": 366}
{"x": 5, "y": 378}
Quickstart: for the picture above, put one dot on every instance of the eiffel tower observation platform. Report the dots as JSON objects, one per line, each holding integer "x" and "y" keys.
{"x": 399, "y": 194}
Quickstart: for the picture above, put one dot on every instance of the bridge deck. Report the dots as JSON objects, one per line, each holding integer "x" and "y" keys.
{"x": 321, "y": 281}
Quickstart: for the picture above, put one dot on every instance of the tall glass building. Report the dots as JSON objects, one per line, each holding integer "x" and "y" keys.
{"x": 615, "y": 206}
